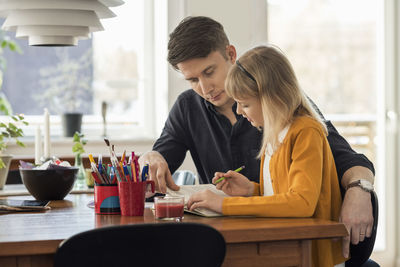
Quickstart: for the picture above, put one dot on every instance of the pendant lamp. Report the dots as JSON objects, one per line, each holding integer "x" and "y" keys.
{"x": 55, "y": 22}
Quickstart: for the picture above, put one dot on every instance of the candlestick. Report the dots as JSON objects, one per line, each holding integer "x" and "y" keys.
{"x": 38, "y": 145}
{"x": 46, "y": 134}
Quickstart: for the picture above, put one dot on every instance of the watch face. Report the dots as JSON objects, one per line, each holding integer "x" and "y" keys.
{"x": 366, "y": 184}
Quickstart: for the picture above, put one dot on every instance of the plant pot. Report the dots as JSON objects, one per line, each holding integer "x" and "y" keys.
{"x": 71, "y": 123}
{"x": 4, "y": 171}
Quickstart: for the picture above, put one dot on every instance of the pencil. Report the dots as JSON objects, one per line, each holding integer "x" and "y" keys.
{"x": 222, "y": 178}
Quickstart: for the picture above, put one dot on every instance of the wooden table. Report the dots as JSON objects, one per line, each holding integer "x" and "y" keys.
{"x": 31, "y": 239}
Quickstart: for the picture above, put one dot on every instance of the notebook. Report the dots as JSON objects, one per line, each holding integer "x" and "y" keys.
{"x": 188, "y": 190}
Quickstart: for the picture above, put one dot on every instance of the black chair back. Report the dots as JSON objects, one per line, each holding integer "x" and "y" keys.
{"x": 361, "y": 252}
{"x": 164, "y": 244}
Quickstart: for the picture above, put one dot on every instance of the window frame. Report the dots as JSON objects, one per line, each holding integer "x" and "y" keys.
{"x": 155, "y": 84}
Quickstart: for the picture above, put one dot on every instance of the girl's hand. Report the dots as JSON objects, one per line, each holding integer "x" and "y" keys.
{"x": 206, "y": 199}
{"x": 234, "y": 184}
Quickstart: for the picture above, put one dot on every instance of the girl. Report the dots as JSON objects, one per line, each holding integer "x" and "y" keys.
{"x": 298, "y": 175}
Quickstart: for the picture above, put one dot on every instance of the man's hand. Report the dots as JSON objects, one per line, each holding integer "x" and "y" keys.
{"x": 158, "y": 171}
{"x": 356, "y": 214}
{"x": 206, "y": 199}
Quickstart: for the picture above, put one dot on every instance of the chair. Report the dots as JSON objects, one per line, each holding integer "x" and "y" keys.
{"x": 184, "y": 178}
{"x": 164, "y": 244}
{"x": 361, "y": 252}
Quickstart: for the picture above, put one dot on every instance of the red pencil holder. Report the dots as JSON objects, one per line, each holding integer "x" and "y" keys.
{"x": 106, "y": 199}
{"x": 132, "y": 196}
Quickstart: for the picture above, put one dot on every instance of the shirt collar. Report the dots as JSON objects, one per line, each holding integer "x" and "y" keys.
{"x": 210, "y": 106}
{"x": 281, "y": 137}
{"x": 283, "y": 133}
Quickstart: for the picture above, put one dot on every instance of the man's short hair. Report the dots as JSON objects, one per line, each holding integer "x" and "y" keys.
{"x": 196, "y": 37}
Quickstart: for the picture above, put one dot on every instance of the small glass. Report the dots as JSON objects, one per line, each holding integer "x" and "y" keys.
{"x": 80, "y": 182}
{"x": 89, "y": 178}
{"x": 169, "y": 208}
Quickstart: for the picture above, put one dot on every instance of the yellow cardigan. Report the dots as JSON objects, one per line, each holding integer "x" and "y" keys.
{"x": 305, "y": 183}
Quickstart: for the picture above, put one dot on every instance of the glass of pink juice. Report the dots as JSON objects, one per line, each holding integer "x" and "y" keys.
{"x": 169, "y": 208}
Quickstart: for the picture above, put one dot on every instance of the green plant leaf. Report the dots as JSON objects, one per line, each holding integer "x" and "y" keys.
{"x": 19, "y": 143}
{"x": 12, "y": 126}
{"x": 76, "y": 137}
{"x": 79, "y": 142}
{"x": 5, "y": 106}
{"x": 78, "y": 148}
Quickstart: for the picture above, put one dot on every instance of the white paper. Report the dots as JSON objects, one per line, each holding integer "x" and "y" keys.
{"x": 188, "y": 190}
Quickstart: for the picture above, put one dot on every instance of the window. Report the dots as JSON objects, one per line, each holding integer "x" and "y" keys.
{"x": 333, "y": 46}
{"x": 115, "y": 66}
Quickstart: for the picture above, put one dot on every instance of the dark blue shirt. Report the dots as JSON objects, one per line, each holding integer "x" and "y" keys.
{"x": 215, "y": 144}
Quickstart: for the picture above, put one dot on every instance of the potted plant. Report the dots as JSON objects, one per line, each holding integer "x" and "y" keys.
{"x": 66, "y": 87}
{"x": 8, "y": 130}
{"x": 78, "y": 150}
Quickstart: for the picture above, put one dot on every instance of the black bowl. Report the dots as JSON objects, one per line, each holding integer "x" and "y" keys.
{"x": 49, "y": 184}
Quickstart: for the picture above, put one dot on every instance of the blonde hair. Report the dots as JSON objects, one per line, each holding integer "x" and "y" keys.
{"x": 264, "y": 72}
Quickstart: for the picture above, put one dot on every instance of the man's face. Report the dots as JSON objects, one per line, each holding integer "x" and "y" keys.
{"x": 207, "y": 75}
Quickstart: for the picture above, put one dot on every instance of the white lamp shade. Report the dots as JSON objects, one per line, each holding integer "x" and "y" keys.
{"x": 56, "y": 17}
{"x": 50, "y": 30}
{"x": 99, "y": 8}
{"x": 112, "y": 3}
{"x": 53, "y": 40}
{"x": 55, "y": 22}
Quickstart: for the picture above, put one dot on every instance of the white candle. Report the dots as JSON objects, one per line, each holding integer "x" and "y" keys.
{"x": 38, "y": 145}
{"x": 46, "y": 134}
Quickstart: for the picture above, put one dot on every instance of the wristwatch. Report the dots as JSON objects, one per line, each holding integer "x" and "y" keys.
{"x": 363, "y": 184}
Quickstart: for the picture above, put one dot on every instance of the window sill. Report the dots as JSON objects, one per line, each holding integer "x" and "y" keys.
{"x": 62, "y": 146}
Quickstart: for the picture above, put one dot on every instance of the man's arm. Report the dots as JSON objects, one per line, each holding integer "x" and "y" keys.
{"x": 169, "y": 150}
{"x": 356, "y": 213}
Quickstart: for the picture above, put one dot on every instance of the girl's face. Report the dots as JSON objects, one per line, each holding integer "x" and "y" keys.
{"x": 250, "y": 108}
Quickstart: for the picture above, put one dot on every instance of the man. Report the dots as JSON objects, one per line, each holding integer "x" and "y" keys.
{"x": 203, "y": 120}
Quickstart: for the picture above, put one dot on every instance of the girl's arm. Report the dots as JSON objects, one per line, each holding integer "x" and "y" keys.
{"x": 303, "y": 180}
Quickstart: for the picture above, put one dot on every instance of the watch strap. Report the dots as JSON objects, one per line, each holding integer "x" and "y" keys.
{"x": 359, "y": 184}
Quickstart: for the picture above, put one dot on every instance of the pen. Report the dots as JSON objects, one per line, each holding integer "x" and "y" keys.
{"x": 135, "y": 160}
{"x": 222, "y": 178}
{"x": 145, "y": 172}
{"x": 96, "y": 178}
{"x": 99, "y": 160}
{"x": 126, "y": 172}
{"x": 133, "y": 171}
{"x": 94, "y": 167}
{"x": 123, "y": 157}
